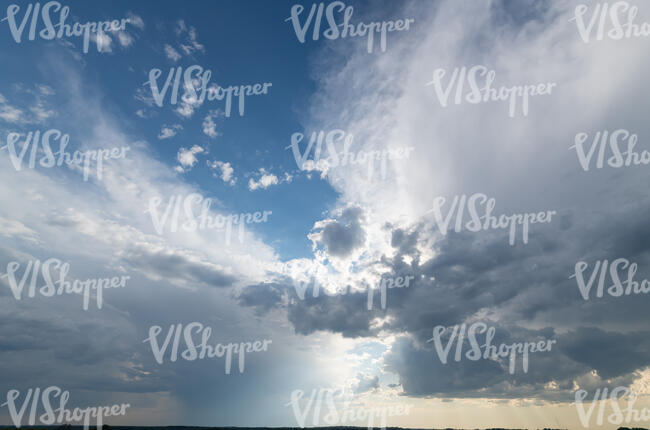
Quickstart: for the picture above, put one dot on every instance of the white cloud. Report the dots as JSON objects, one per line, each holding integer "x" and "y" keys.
{"x": 44, "y": 90}
{"x": 14, "y": 228}
{"x": 225, "y": 171}
{"x": 209, "y": 124}
{"x": 187, "y": 157}
{"x": 189, "y": 101}
{"x": 135, "y": 20}
{"x": 171, "y": 53}
{"x": 144, "y": 95}
{"x": 267, "y": 179}
{"x": 10, "y": 114}
{"x": 102, "y": 229}
{"x": 169, "y": 131}
{"x": 41, "y": 113}
{"x": 103, "y": 41}
{"x": 189, "y": 43}
{"x": 125, "y": 39}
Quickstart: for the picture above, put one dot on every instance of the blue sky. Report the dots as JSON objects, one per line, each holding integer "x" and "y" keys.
{"x": 301, "y": 278}
{"x": 236, "y": 54}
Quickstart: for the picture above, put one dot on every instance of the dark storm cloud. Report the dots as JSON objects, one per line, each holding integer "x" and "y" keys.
{"x": 611, "y": 353}
{"x": 519, "y": 285}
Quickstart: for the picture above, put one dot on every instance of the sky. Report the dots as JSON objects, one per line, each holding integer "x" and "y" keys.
{"x": 298, "y": 274}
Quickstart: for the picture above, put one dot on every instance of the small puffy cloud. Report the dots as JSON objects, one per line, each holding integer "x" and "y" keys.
{"x": 10, "y": 114}
{"x": 224, "y": 171}
{"x": 171, "y": 53}
{"x": 187, "y": 158}
{"x": 125, "y": 39}
{"x": 190, "y": 99}
{"x": 267, "y": 179}
{"x": 135, "y": 21}
{"x": 209, "y": 124}
{"x": 189, "y": 43}
{"x": 144, "y": 95}
{"x": 44, "y": 90}
{"x": 41, "y": 113}
{"x": 168, "y": 131}
{"x": 103, "y": 41}
{"x": 341, "y": 237}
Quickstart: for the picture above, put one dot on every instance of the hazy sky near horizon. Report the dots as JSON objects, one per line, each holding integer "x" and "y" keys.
{"x": 341, "y": 229}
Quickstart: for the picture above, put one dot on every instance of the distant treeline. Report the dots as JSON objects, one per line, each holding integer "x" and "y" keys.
{"x": 107, "y": 427}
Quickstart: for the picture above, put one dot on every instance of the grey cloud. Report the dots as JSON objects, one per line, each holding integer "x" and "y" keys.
{"x": 366, "y": 383}
{"x": 175, "y": 265}
{"x": 344, "y": 235}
